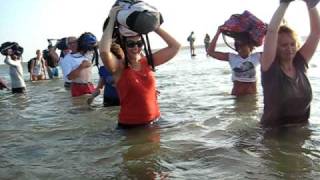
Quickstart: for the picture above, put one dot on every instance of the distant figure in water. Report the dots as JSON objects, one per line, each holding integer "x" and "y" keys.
{"x": 206, "y": 42}
{"x": 191, "y": 39}
{"x": 284, "y": 64}
{"x": 13, "y": 59}
{"x": 243, "y": 64}
{"x": 38, "y": 68}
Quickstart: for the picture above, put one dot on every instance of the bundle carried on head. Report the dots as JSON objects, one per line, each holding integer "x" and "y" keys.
{"x": 245, "y": 25}
{"x": 137, "y": 17}
{"x": 15, "y": 47}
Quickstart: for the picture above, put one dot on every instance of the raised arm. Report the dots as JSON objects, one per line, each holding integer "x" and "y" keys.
{"x": 9, "y": 61}
{"x": 271, "y": 39}
{"x": 212, "y": 48}
{"x": 76, "y": 72}
{"x": 108, "y": 59}
{"x": 309, "y": 47}
{"x": 167, "y": 53}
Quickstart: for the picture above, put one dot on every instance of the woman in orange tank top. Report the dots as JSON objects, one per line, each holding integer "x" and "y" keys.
{"x": 135, "y": 83}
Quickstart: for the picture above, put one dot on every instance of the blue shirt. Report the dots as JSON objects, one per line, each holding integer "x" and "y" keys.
{"x": 109, "y": 88}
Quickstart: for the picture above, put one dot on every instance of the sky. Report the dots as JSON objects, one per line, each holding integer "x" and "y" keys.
{"x": 32, "y": 22}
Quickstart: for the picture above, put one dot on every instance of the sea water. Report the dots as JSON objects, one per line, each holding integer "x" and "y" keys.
{"x": 204, "y": 132}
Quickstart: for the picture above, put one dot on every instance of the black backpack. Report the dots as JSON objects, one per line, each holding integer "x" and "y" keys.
{"x": 7, "y": 45}
{"x": 29, "y": 64}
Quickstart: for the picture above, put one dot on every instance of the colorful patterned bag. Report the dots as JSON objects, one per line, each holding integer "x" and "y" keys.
{"x": 245, "y": 25}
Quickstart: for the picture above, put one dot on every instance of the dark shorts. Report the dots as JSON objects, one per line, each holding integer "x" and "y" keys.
{"x": 155, "y": 122}
{"x": 18, "y": 90}
{"x": 67, "y": 85}
{"x": 110, "y": 101}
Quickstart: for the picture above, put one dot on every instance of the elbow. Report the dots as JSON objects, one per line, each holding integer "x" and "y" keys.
{"x": 212, "y": 54}
{"x": 178, "y": 46}
{"x": 316, "y": 34}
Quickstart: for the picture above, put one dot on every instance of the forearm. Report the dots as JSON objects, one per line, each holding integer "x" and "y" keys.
{"x": 277, "y": 17}
{"x": 271, "y": 39}
{"x": 10, "y": 62}
{"x": 106, "y": 39}
{"x": 74, "y": 74}
{"x": 171, "y": 42}
{"x": 105, "y": 46}
{"x": 168, "y": 52}
{"x": 314, "y": 22}
{"x": 212, "y": 49}
{"x": 213, "y": 43}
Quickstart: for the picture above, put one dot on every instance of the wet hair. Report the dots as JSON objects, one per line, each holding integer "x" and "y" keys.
{"x": 284, "y": 29}
{"x": 243, "y": 40}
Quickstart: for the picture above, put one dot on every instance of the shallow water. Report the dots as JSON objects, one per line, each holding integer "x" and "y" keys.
{"x": 204, "y": 133}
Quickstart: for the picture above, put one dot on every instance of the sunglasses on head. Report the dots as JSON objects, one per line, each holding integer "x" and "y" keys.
{"x": 131, "y": 44}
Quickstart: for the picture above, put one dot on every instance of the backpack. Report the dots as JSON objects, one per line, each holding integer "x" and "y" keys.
{"x": 245, "y": 25}
{"x": 62, "y": 44}
{"x": 5, "y": 46}
{"x": 29, "y": 64}
{"x": 137, "y": 16}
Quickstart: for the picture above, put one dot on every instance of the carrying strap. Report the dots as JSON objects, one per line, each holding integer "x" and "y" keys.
{"x": 225, "y": 41}
{"x": 148, "y": 52}
{"x": 95, "y": 58}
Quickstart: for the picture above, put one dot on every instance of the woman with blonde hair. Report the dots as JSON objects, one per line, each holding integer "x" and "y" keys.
{"x": 286, "y": 88}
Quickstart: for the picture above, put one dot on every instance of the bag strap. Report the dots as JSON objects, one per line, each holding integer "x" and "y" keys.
{"x": 148, "y": 52}
{"x": 225, "y": 41}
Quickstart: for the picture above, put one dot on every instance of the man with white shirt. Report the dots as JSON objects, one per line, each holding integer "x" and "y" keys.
{"x": 77, "y": 66}
{"x": 16, "y": 71}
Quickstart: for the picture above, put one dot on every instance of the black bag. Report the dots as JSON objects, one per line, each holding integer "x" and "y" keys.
{"x": 138, "y": 16}
{"x": 5, "y": 46}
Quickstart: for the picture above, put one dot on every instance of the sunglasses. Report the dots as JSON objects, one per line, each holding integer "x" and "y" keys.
{"x": 132, "y": 44}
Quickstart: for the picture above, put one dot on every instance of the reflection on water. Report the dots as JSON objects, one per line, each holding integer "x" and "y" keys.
{"x": 141, "y": 159}
{"x": 204, "y": 133}
{"x": 289, "y": 155}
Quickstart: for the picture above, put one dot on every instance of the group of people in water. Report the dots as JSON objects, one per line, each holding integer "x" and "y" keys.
{"x": 191, "y": 39}
{"x": 129, "y": 81}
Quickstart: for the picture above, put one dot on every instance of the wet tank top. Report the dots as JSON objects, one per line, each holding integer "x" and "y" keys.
{"x": 138, "y": 96}
{"x": 286, "y": 100}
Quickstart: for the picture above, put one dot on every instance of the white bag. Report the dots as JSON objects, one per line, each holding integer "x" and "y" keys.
{"x": 137, "y": 17}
